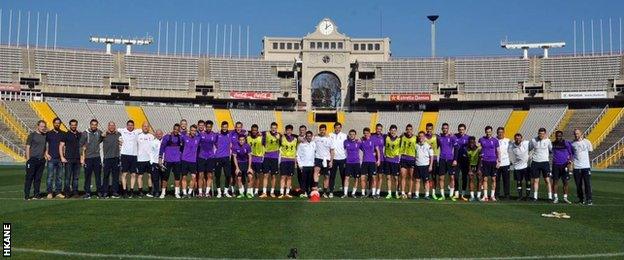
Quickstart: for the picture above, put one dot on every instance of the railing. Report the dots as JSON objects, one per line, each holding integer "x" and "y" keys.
{"x": 593, "y": 125}
{"x": 612, "y": 154}
{"x": 610, "y": 127}
{"x": 15, "y": 148}
{"x": 14, "y": 115}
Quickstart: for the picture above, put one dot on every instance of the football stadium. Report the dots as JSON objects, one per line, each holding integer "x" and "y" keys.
{"x": 323, "y": 145}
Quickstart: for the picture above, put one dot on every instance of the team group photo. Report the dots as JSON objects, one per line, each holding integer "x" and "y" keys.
{"x": 241, "y": 129}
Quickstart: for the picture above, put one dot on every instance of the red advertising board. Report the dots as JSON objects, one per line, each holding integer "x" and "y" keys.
{"x": 7, "y": 87}
{"x": 250, "y": 95}
{"x": 410, "y": 97}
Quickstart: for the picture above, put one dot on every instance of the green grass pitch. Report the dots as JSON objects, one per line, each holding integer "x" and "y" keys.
{"x": 336, "y": 228}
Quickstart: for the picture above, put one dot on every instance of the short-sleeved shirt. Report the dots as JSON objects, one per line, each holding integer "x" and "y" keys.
{"x": 144, "y": 147}
{"x": 503, "y": 150}
{"x": 447, "y": 145}
{"x": 129, "y": 141}
{"x": 91, "y": 140}
{"x": 72, "y": 145}
{"x": 562, "y": 152}
{"x": 323, "y": 146}
{"x": 368, "y": 150}
{"x": 352, "y": 150}
{"x": 541, "y": 149}
{"x": 241, "y": 152}
{"x": 473, "y": 156}
{"x": 53, "y": 139}
{"x": 339, "y": 139}
{"x": 37, "y": 143}
{"x": 489, "y": 146}
{"x": 424, "y": 152}
{"x": 519, "y": 155}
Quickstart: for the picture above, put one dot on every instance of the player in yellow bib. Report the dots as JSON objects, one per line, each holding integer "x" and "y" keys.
{"x": 288, "y": 152}
{"x": 254, "y": 139}
{"x": 408, "y": 159}
{"x": 270, "y": 164}
{"x": 432, "y": 140}
{"x": 392, "y": 157}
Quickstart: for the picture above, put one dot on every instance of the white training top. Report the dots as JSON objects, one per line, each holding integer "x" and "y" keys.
{"x": 323, "y": 146}
{"x": 503, "y": 150}
{"x": 541, "y": 149}
{"x": 129, "y": 141}
{"x": 339, "y": 151}
{"x": 581, "y": 149}
{"x": 154, "y": 150}
{"x": 305, "y": 154}
{"x": 144, "y": 147}
{"x": 423, "y": 153}
{"x": 519, "y": 155}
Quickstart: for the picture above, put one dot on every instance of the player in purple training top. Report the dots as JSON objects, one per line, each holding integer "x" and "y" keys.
{"x": 371, "y": 159}
{"x": 190, "y": 148}
{"x": 461, "y": 161}
{"x": 222, "y": 159}
{"x": 446, "y": 144}
{"x": 490, "y": 159}
{"x": 562, "y": 165}
{"x": 241, "y": 153}
{"x": 352, "y": 166}
{"x": 379, "y": 138}
{"x": 205, "y": 160}
{"x": 238, "y": 130}
{"x": 169, "y": 155}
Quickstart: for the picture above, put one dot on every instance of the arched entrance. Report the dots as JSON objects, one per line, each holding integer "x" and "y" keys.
{"x": 326, "y": 90}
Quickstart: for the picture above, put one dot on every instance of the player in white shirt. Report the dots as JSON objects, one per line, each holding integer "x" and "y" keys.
{"x": 503, "y": 167}
{"x": 541, "y": 146}
{"x": 144, "y": 156}
{"x": 323, "y": 157}
{"x": 305, "y": 161}
{"x": 128, "y": 155}
{"x": 519, "y": 156}
{"x": 156, "y": 170}
{"x": 424, "y": 164}
{"x": 340, "y": 157}
{"x": 582, "y": 167}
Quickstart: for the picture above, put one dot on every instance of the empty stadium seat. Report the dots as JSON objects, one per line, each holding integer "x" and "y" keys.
{"x": 400, "y": 119}
{"x": 542, "y": 116}
{"x": 585, "y": 73}
{"x": 491, "y": 75}
{"x": 162, "y": 117}
{"x": 161, "y": 72}
{"x": 74, "y": 68}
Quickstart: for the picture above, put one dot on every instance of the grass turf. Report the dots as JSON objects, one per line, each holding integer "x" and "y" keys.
{"x": 337, "y": 228}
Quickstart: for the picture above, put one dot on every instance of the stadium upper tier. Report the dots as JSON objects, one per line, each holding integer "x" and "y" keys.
{"x": 59, "y": 69}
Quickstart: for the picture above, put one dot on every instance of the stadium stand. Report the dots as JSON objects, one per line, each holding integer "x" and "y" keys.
{"x": 24, "y": 112}
{"x": 454, "y": 118}
{"x": 74, "y": 110}
{"x": 11, "y": 58}
{"x": 74, "y": 68}
{"x": 357, "y": 121}
{"x": 107, "y": 112}
{"x": 484, "y": 117}
{"x": 296, "y": 118}
{"x": 161, "y": 72}
{"x": 602, "y": 126}
{"x": 516, "y": 118}
{"x": 246, "y": 75}
{"x": 610, "y": 139}
{"x": 262, "y": 118}
{"x": 581, "y": 119}
{"x": 404, "y": 76}
{"x": 137, "y": 115}
{"x": 400, "y": 119}
{"x": 586, "y": 73}
{"x": 491, "y": 75}
{"x": 194, "y": 114}
{"x": 541, "y": 116}
{"x": 162, "y": 117}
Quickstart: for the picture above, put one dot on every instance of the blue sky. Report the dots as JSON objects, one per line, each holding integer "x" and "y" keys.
{"x": 464, "y": 27}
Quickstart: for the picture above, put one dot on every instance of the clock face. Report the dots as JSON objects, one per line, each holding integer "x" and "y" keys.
{"x": 326, "y": 27}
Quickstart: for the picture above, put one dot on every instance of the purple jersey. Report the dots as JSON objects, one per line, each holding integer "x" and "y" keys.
{"x": 223, "y": 145}
{"x": 461, "y": 142}
{"x": 234, "y": 135}
{"x": 207, "y": 141}
{"x": 562, "y": 152}
{"x": 191, "y": 148}
{"x": 352, "y": 148}
{"x": 170, "y": 148}
{"x": 489, "y": 146}
{"x": 379, "y": 142}
{"x": 447, "y": 145}
{"x": 368, "y": 150}
{"x": 241, "y": 152}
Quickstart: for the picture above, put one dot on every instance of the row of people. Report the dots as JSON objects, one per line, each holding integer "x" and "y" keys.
{"x": 197, "y": 157}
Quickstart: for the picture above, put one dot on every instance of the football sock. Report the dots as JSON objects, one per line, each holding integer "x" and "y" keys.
{"x": 374, "y": 191}
{"x": 208, "y": 190}
{"x": 287, "y": 191}
{"x": 556, "y": 196}
{"x": 363, "y": 192}
{"x": 256, "y": 190}
{"x": 272, "y": 190}
{"x": 282, "y": 191}
{"x": 219, "y": 191}
{"x": 550, "y": 195}
{"x": 263, "y": 190}
{"x": 472, "y": 194}
{"x": 241, "y": 190}
{"x": 535, "y": 194}
{"x": 565, "y": 196}
{"x": 345, "y": 190}
{"x": 451, "y": 192}
{"x": 201, "y": 191}
{"x": 478, "y": 194}
{"x": 163, "y": 191}
{"x": 426, "y": 194}
{"x": 249, "y": 191}
{"x": 184, "y": 192}
{"x": 177, "y": 190}
{"x": 492, "y": 193}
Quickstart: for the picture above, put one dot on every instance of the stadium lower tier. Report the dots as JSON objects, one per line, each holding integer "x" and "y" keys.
{"x": 601, "y": 124}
